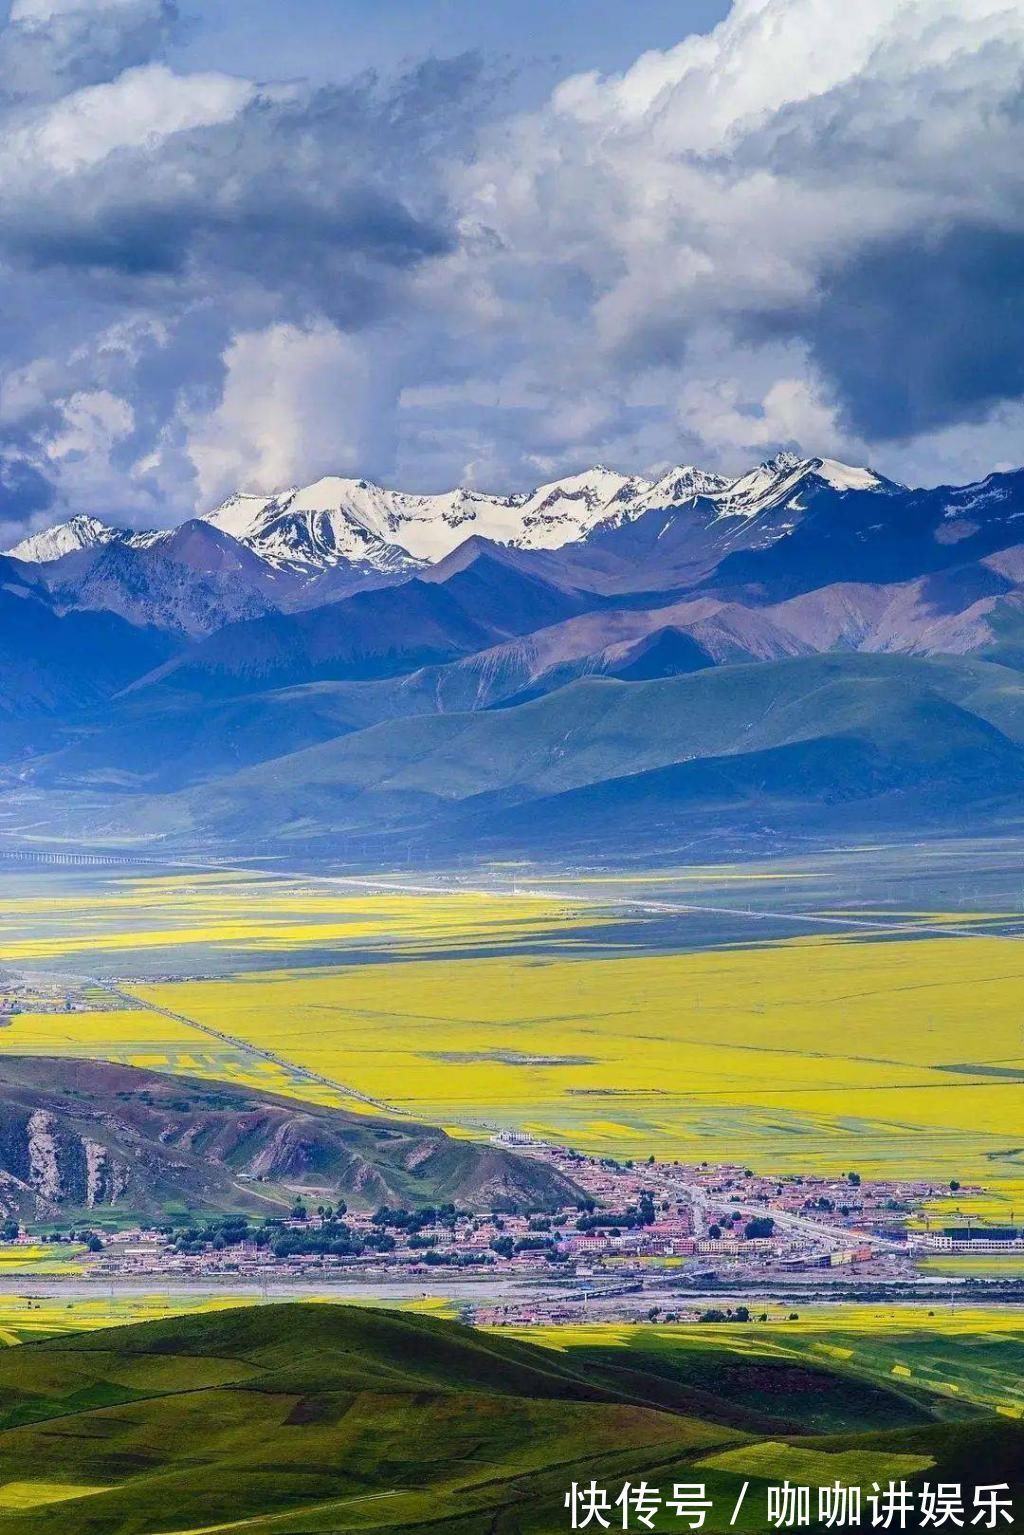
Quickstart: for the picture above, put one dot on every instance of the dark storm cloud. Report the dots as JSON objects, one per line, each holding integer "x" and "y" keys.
{"x": 288, "y": 191}
{"x": 922, "y": 327}
{"x": 297, "y": 207}
{"x": 23, "y": 489}
{"x": 805, "y": 231}
{"x": 924, "y": 331}
{"x": 255, "y": 231}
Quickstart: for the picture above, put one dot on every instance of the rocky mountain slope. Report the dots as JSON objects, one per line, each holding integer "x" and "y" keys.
{"x": 87, "y": 1136}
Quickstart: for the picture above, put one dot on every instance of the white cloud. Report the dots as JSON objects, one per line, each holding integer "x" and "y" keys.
{"x": 94, "y": 420}
{"x": 691, "y": 213}
{"x": 78, "y": 454}
{"x": 650, "y": 268}
{"x": 44, "y": 10}
{"x": 790, "y": 411}
{"x": 26, "y": 391}
{"x": 297, "y": 403}
{"x": 138, "y": 110}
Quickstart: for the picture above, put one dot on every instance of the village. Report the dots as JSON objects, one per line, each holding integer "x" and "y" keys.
{"x": 633, "y": 1222}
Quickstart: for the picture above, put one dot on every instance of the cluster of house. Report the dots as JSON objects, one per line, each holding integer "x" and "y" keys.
{"x": 884, "y": 1207}
{"x": 628, "y": 1213}
{"x": 34, "y": 999}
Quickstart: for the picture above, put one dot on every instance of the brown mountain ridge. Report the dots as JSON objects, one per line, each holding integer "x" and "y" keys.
{"x": 90, "y": 1136}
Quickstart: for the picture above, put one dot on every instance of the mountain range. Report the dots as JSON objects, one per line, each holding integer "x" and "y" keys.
{"x": 606, "y": 661}
{"x": 360, "y": 531}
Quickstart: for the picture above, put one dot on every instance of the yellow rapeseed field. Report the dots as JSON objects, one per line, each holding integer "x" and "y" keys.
{"x": 903, "y": 1057}
{"x": 23, "y": 1317}
{"x": 893, "y": 1054}
{"x": 40, "y": 1258}
{"x": 242, "y": 914}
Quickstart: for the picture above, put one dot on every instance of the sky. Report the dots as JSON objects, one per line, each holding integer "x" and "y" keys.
{"x": 542, "y": 40}
{"x": 435, "y": 242}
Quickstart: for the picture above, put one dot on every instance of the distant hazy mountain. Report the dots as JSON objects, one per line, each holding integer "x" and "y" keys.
{"x": 798, "y": 650}
{"x": 828, "y": 740}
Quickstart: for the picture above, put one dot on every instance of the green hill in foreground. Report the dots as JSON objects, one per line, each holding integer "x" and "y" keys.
{"x": 300, "y": 1418}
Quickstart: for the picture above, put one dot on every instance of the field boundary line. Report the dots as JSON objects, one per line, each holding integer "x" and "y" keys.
{"x": 305, "y": 1073}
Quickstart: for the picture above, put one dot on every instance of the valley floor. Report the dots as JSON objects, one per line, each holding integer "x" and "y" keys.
{"x": 854, "y": 1010}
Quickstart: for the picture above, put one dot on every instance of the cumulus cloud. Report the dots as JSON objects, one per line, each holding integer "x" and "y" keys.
{"x": 804, "y": 230}
{"x": 156, "y": 223}
{"x": 49, "y": 47}
{"x": 846, "y": 181}
{"x": 297, "y": 404}
{"x": 725, "y": 421}
{"x": 139, "y": 109}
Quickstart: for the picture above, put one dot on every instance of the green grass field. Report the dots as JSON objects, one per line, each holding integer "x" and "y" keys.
{"x": 299, "y": 1419}
{"x": 954, "y": 1354}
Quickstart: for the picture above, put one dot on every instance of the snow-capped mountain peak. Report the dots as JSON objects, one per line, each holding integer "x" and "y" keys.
{"x": 777, "y": 479}
{"x": 681, "y": 484}
{"x": 65, "y": 538}
{"x": 239, "y": 515}
{"x": 337, "y": 521}
{"x": 565, "y": 510}
{"x": 313, "y": 527}
{"x": 847, "y": 477}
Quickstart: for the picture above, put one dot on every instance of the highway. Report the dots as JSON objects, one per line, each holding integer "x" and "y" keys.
{"x": 629, "y": 904}
{"x": 245, "y": 1046}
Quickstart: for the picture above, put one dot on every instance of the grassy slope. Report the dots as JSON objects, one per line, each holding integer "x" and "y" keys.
{"x": 914, "y": 717}
{"x": 295, "y": 1418}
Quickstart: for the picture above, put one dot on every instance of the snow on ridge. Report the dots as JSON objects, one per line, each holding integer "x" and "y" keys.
{"x": 846, "y": 477}
{"x": 566, "y": 510}
{"x": 64, "y": 538}
{"x": 338, "y": 519}
{"x": 681, "y": 484}
{"x": 148, "y": 538}
{"x": 774, "y": 481}
{"x": 239, "y": 514}
{"x": 308, "y": 529}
